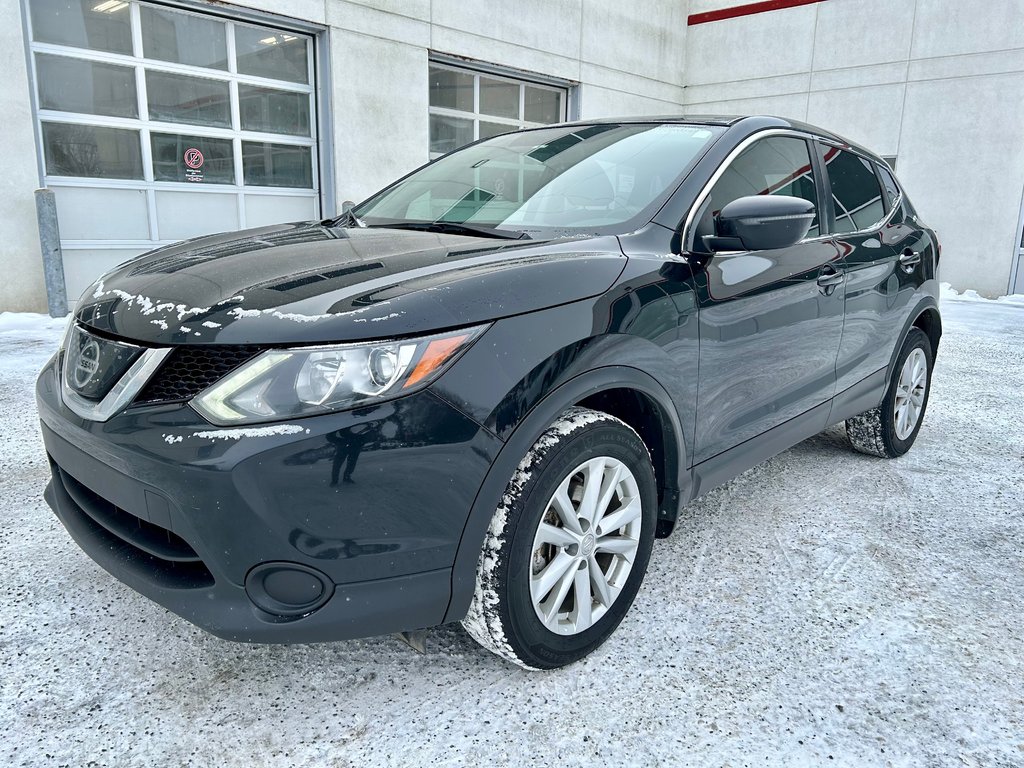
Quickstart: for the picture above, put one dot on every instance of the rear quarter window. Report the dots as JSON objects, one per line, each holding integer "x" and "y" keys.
{"x": 856, "y": 193}
{"x": 892, "y": 189}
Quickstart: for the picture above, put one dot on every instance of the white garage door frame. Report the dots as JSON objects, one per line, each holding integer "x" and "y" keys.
{"x": 1017, "y": 265}
{"x": 319, "y": 140}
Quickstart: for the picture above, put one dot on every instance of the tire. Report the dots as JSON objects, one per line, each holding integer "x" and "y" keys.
{"x": 511, "y": 614}
{"x": 884, "y": 431}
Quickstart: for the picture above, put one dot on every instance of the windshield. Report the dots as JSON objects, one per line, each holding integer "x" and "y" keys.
{"x": 572, "y": 179}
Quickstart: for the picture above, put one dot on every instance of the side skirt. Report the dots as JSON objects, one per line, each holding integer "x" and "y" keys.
{"x": 718, "y": 470}
{"x": 722, "y": 468}
{"x": 862, "y": 396}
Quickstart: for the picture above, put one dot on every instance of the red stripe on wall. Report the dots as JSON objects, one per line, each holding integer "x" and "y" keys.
{"x": 746, "y": 10}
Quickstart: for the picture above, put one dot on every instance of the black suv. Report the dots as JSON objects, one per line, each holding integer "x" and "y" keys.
{"x": 482, "y": 393}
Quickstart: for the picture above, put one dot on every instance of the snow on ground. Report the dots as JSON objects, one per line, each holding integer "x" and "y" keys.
{"x": 823, "y": 608}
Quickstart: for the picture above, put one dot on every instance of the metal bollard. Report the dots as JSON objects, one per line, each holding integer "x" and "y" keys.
{"x": 53, "y": 259}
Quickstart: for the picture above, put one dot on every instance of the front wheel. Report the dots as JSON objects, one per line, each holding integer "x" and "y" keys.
{"x": 569, "y": 544}
{"x": 890, "y": 429}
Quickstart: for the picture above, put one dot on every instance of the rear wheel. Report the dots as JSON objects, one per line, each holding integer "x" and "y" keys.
{"x": 569, "y": 544}
{"x": 890, "y": 429}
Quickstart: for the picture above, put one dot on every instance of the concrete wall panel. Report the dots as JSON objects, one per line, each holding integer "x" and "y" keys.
{"x": 22, "y": 288}
{"x": 858, "y": 77}
{"x": 416, "y": 9}
{"x": 856, "y": 33}
{"x": 597, "y": 101}
{"x": 949, "y": 27}
{"x": 471, "y": 46}
{"x": 645, "y": 38}
{"x": 380, "y": 112}
{"x": 307, "y": 10}
{"x": 868, "y": 116}
{"x": 358, "y": 17}
{"x": 761, "y": 45}
{"x": 793, "y": 106}
{"x": 968, "y": 64}
{"x": 627, "y": 83}
{"x": 541, "y": 25}
{"x": 964, "y": 169}
{"x": 751, "y": 88}
{"x": 703, "y": 6}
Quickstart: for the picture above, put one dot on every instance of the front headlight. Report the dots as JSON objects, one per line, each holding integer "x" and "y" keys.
{"x": 285, "y": 383}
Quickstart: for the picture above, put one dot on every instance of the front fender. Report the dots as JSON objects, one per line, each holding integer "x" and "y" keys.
{"x": 526, "y": 434}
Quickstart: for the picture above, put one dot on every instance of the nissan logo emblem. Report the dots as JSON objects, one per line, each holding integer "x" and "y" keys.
{"x": 87, "y": 363}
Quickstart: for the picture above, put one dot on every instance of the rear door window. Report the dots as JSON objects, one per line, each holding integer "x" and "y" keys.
{"x": 856, "y": 193}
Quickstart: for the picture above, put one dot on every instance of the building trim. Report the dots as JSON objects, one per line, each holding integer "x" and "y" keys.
{"x": 745, "y": 10}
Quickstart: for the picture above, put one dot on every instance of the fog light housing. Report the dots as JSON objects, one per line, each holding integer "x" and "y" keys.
{"x": 287, "y": 590}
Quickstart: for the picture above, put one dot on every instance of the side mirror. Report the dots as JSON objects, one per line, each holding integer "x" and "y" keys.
{"x": 761, "y": 223}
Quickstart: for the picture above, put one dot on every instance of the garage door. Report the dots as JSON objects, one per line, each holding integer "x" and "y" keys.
{"x": 157, "y": 124}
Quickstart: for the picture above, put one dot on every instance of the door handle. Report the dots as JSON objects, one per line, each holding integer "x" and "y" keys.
{"x": 827, "y": 281}
{"x": 910, "y": 259}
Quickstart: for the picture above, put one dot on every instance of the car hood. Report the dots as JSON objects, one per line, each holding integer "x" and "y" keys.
{"x": 309, "y": 283}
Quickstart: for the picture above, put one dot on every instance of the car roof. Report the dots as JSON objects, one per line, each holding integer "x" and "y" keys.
{"x": 694, "y": 119}
{"x": 751, "y": 123}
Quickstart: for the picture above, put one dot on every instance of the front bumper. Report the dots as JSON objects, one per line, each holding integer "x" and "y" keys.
{"x": 371, "y": 502}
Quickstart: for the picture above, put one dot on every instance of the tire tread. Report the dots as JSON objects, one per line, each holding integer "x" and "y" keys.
{"x": 484, "y": 622}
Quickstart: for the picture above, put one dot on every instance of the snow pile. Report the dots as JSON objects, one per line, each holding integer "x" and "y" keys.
{"x": 31, "y": 326}
{"x": 948, "y": 293}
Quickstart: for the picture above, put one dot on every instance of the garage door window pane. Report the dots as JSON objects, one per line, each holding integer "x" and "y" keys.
{"x": 493, "y": 129}
{"x": 213, "y": 164}
{"x": 450, "y": 89}
{"x": 183, "y": 38}
{"x": 91, "y": 87}
{"x": 271, "y": 53}
{"x": 448, "y": 133}
{"x": 184, "y": 99}
{"x": 499, "y": 98}
{"x": 88, "y": 150}
{"x": 277, "y": 165}
{"x": 855, "y": 191}
{"x": 272, "y": 111}
{"x": 542, "y": 105}
{"x": 102, "y": 25}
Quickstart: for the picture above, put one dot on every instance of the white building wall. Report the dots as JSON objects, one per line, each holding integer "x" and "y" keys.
{"x": 21, "y": 266}
{"x": 938, "y": 83}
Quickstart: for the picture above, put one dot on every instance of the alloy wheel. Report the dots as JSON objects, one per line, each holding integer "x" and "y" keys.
{"x": 910, "y": 393}
{"x": 585, "y": 545}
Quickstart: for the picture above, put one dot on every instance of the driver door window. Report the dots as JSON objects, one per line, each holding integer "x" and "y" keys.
{"x": 777, "y": 165}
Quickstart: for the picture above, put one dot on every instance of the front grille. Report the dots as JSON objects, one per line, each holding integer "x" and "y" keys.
{"x": 190, "y": 370}
{"x": 93, "y": 364}
{"x": 154, "y": 552}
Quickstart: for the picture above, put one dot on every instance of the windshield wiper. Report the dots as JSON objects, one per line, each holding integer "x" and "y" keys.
{"x": 347, "y": 218}
{"x": 455, "y": 228}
